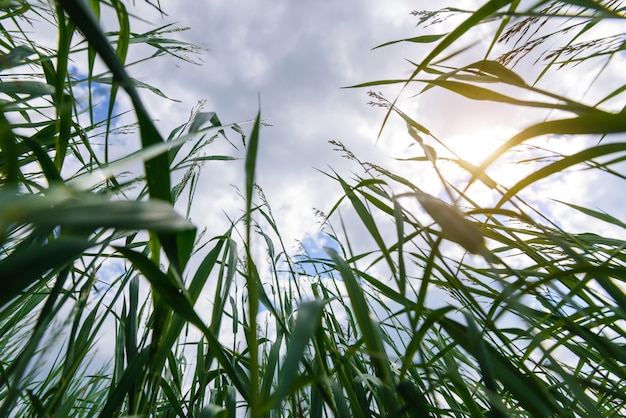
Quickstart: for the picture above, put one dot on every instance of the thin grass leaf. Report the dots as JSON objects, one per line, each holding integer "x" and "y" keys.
{"x": 604, "y": 10}
{"x": 309, "y": 315}
{"x": 424, "y": 39}
{"x": 367, "y": 220}
{"x": 599, "y": 124}
{"x": 532, "y": 394}
{"x": 158, "y": 168}
{"x": 342, "y": 406}
{"x": 474, "y": 92}
{"x": 173, "y": 293}
{"x": 86, "y": 213}
{"x": 21, "y": 269}
{"x": 368, "y": 327}
{"x": 476, "y": 18}
{"x": 252, "y": 278}
{"x": 559, "y": 166}
{"x": 126, "y": 383}
{"x": 595, "y": 214}
{"x": 31, "y": 88}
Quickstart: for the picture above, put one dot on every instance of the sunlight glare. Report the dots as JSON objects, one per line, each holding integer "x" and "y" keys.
{"x": 476, "y": 146}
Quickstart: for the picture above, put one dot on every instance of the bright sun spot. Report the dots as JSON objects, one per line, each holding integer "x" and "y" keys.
{"x": 475, "y": 147}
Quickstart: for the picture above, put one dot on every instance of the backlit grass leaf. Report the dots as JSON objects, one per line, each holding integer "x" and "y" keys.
{"x": 380, "y": 83}
{"x": 477, "y": 17}
{"x": 19, "y": 270}
{"x": 202, "y": 118}
{"x": 139, "y": 84}
{"x": 474, "y": 92}
{"x": 559, "y": 166}
{"x": 86, "y": 212}
{"x": 369, "y": 328}
{"x": 31, "y": 88}
{"x": 21, "y": 5}
{"x": 503, "y": 73}
{"x": 473, "y": 170}
{"x": 251, "y": 159}
{"x": 453, "y": 223}
{"x": 307, "y": 322}
{"x": 15, "y": 57}
{"x": 596, "y": 214}
{"x": 424, "y": 39}
{"x": 593, "y": 124}
{"x": 480, "y": 15}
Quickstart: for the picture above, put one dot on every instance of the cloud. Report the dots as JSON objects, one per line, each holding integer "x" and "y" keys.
{"x": 295, "y": 57}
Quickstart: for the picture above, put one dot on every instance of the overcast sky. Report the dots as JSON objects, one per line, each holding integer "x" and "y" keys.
{"x": 296, "y": 57}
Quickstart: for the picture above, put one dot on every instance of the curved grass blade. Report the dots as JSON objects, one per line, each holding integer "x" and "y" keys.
{"x": 369, "y": 328}
{"x": 560, "y": 165}
{"x": 22, "y": 268}
{"x": 424, "y": 39}
{"x": 309, "y": 316}
{"x": 476, "y": 18}
{"x": 158, "y": 168}
{"x": 598, "y": 124}
{"x": 532, "y": 394}
{"x": 178, "y": 299}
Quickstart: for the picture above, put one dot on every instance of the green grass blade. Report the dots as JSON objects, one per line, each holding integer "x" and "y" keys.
{"x": 559, "y": 166}
{"x": 127, "y": 381}
{"x": 598, "y": 124}
{"x": 424, "y": 39}
{"x": 21, "y": 269}
{"x": 309, "y": 315}
{"x": 252, "y": 280}
{"x": 369, "y": 328}
{"x": 529, "y": 391}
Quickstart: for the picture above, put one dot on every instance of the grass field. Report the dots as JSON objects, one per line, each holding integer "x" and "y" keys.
{"x": 114, "y": 304}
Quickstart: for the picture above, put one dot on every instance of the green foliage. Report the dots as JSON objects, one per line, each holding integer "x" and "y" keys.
{"x": 536, "y": 330}
{"x": 413, "y": 325}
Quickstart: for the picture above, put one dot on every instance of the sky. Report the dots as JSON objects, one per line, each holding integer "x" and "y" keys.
{"x": 291, "y": 60}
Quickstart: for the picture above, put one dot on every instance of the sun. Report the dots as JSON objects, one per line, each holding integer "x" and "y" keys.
{"x": 476, "y": 146}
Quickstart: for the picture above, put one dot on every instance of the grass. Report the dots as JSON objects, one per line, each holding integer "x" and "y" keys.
{"x": 407, "y": 324}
